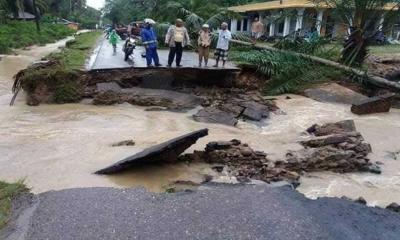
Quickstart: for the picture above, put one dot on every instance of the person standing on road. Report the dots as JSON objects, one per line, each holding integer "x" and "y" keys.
{"x": 177, "y": 38}
{"x": 204, "y": 43}
{"x": 221, "y": 53}
{"x": 149, "y": 40}
{"x": 114, "y": 38}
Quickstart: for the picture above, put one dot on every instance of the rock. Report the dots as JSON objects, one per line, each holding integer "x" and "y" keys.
{"x": 229, "y": 107}
{"x": 254, "y": 111}
{"x": 108, "y": 86}
{"x": 164, "y": 152}
{"x": 218, "y": 168}
{"x": 124, "y": 143}
{"x": 332, "y": 128}
{"x": 333, "y": 92}
{"x": 246, "y": 152}
{"x": 215, "y": 115}
{"x": 361, "y": 200}
{"x": 379, "y": 104}
{"x": 218, "y": 145}
{"x": 326, "y": 140}
{"x": 374, "y": 169}
{"x": 107, "y": 98}
{"x": 394, "y": 207}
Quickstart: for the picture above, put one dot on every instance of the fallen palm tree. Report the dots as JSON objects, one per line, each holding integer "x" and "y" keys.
{"x": 375, "y": 80}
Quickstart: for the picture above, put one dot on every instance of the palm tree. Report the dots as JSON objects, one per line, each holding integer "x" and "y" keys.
{"x": 361, "y": 16}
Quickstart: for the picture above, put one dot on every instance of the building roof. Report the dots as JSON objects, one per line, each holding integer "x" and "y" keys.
{"x": 281, "y": 4}
{"x": 23, "y": 15}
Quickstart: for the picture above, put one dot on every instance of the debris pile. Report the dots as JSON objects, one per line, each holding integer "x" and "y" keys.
{"x": 228, "y": 108}
{"x": 242, "y": 162}
{"x": 333, "y": 147}
{"x": 336, "y": 147}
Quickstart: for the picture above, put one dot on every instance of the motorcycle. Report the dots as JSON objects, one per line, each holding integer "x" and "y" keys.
{"x": 129, "y": 46}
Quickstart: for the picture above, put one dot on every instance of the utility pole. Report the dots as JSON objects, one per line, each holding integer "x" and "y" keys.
{"x": 36, "y": 15}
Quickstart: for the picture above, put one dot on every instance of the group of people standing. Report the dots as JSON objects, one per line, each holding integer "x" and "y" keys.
{"x": 177, "y": 38}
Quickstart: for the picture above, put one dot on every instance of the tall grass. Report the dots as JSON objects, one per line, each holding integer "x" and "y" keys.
{"x": 19, "y": 34}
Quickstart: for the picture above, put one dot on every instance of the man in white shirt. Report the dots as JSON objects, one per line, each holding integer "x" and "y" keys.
{"x": 221, "y": 53}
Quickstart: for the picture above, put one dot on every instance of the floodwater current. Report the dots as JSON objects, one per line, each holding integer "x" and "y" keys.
{"x": 55, "y": 147}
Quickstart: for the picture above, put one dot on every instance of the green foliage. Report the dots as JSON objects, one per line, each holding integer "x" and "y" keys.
{"x": 301, "y": 46}
{"x": 76, "y": 51}
{"x": 286, "y": 73}
{"x": 18, "y": 34}
{"x": 8, "y": 191}
{"x": 125, "y": 11}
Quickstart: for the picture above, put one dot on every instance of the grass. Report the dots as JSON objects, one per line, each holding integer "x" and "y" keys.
{"x": 19, "y": 34}
{"x": 385, "y": 50}
{"x": 76, "y": 52}
{"x": 7, "y": 192}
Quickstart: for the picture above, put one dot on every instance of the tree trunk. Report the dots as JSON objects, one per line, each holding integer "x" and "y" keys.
{"x": 36, "y": 15}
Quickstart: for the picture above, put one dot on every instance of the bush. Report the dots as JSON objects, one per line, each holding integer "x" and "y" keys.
{"x": 19, "y": 34}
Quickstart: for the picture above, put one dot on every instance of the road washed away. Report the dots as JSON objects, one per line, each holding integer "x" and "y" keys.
{"x": 56, "y": 147}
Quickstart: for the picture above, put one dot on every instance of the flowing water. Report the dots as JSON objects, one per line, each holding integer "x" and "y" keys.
{"x": 55, "y": 147}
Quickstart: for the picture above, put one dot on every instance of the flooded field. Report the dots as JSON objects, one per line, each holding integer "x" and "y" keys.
{"x": 56, "y": 147}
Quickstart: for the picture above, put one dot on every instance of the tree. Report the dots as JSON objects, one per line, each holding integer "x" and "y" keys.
{"x": 363, "y": 17}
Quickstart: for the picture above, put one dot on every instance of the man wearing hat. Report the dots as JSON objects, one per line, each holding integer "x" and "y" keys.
{"x": 221, "y": 53}
{"x": 149, "y": 39}
{"x": 204, "y": 42}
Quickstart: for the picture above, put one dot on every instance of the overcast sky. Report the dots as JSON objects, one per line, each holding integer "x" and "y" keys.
{"x": 95, "y": 3}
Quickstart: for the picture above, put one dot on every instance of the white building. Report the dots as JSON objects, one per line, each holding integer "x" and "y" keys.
{"x": 283, "y": 17}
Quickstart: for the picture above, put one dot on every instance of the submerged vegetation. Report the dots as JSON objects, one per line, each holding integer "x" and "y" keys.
{"x": 19, "y": 34}
{"x": 8, "y": 191}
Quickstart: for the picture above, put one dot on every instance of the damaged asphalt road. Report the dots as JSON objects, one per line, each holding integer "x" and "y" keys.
{"x": 215, "y": 212}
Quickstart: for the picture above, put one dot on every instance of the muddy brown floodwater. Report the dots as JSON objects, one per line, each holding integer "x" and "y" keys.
{"x": 56, "y": 147}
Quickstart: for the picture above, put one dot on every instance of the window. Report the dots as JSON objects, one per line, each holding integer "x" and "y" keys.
{"x": 281, "y": 27}
{"x": 239, "y": 25}
{"x": 245, "y": 22}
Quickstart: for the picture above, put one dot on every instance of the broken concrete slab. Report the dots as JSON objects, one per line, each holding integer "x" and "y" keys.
{"x": 164, "y": 152}
{"x": 379, "y": 104}
{"x": 215, "y": 115}
{"x": 333, "y": 92}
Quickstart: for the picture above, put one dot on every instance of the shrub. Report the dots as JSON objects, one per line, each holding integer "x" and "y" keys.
{"x": 19, "y": 34}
